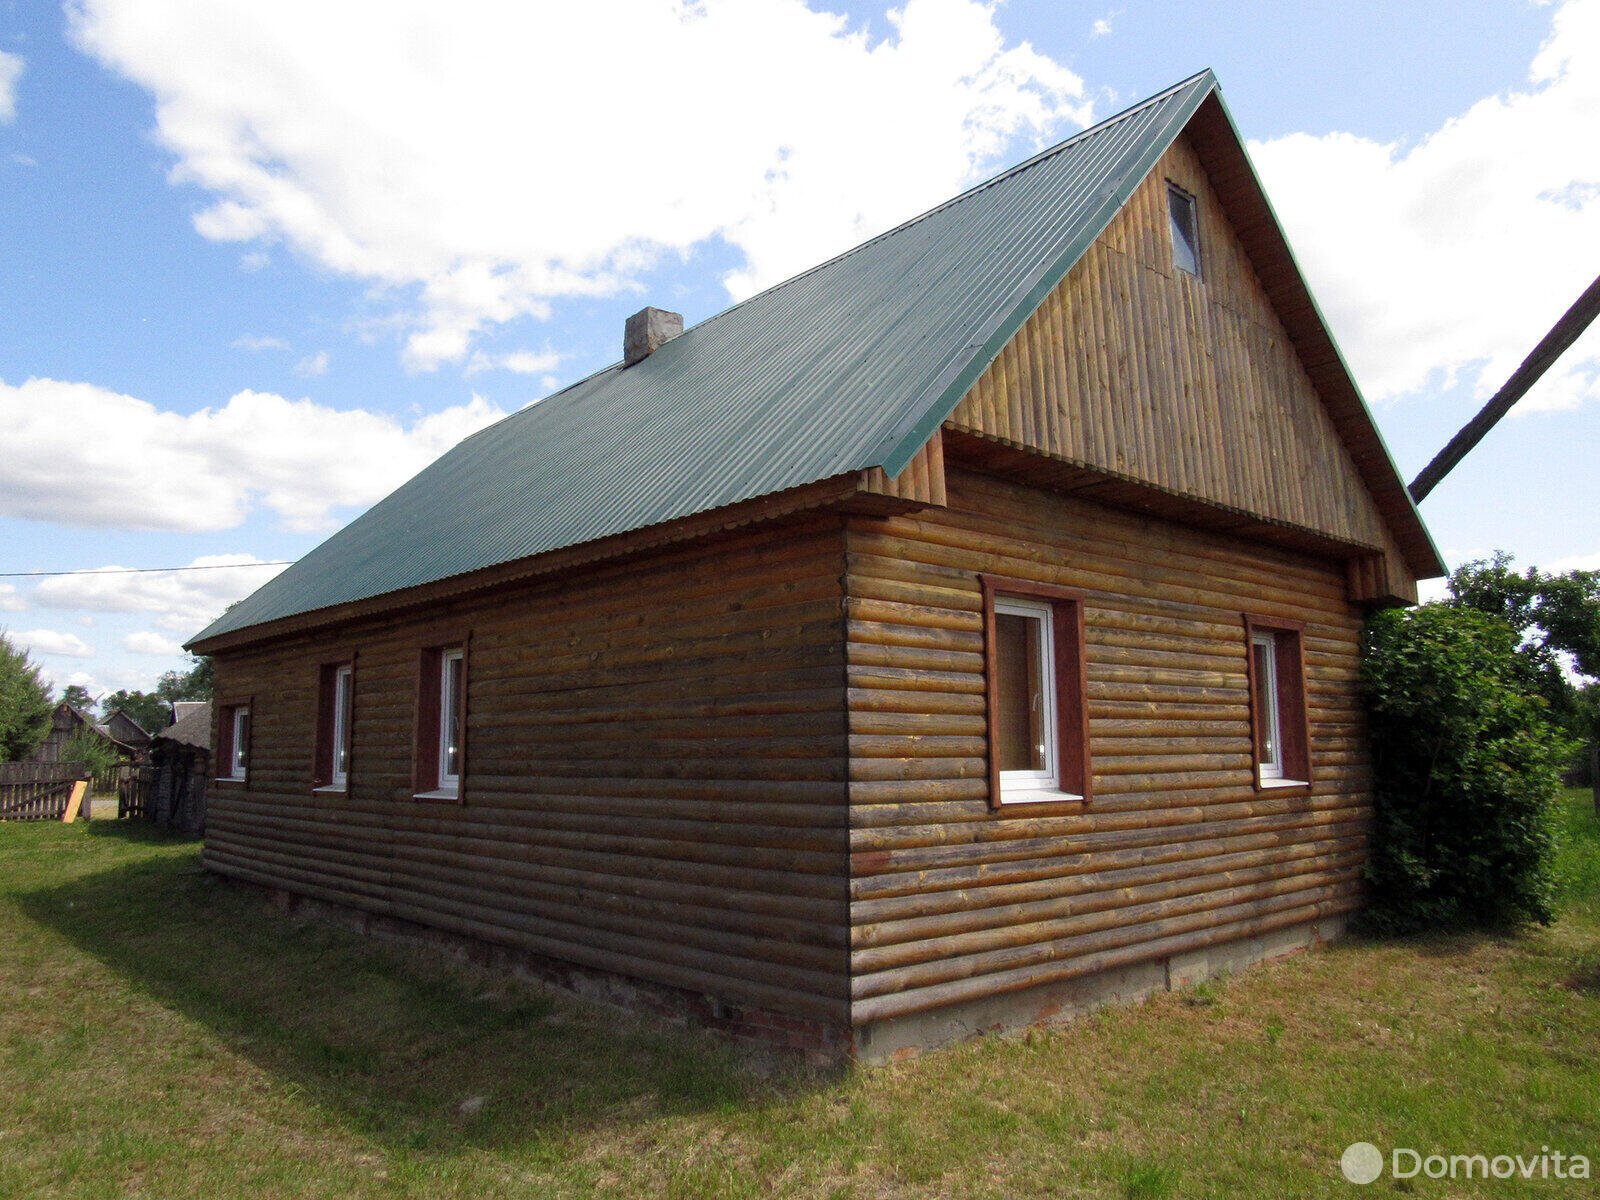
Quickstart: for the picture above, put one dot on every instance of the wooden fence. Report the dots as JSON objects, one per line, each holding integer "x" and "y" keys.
{"x": 134, "y": 785}
{"x": 33, "y": 791}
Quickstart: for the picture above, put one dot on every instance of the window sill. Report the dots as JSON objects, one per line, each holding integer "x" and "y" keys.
{"x": 337, "y": 789}
{"x": 239, "y": 779}
{"x": 1037, "y": 796}
{"x": 438, "y": 794}
{"x": 1283, "y": 783}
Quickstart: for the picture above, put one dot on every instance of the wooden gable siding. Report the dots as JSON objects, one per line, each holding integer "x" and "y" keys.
{"x": 1193, "y": 386}
{"x": 951, "y": 900}
{"x": 655, "y": 771}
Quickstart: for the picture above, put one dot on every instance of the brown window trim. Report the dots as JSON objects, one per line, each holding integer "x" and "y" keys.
{"x": 322, "y": 730}
{"x": 1072, "y": 689}
{"x": 224, "y": 757}
{"x": 425, "y": 724}
{"x": 1294, "y": 716}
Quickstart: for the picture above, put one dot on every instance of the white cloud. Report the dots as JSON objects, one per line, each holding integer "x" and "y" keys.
{"x": 10, "y": 71}
{"x": 448, "y": 154}
{"x": 1430, "y": 591}
{"x": 254, "y": 260}
{"x": 183, "y": 601}
{"x": 316, "y": 364}
{"x": 1102, "y": 27}
{"x": 1575, "y": 562}
{"x": 519, "y": 362}
{"x": 259, "y": 343}
{"x": 146, "y": 642}
{"x": 155, "y": 469}
{"x": 60, "y": 680}
{"x": 50, "y": 641}
{"x": 1452, "y": 257}
{"x": 10, "y": 601}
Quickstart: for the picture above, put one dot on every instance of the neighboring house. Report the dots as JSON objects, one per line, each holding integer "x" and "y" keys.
{"x": 180, "y": 768}
{"x": 119, "y": 730}
{"x": 124, "y": 730}
{"x": 959, "y": 633}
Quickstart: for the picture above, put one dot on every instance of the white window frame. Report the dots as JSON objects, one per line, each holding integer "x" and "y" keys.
{"x": 239, "y": 746}
{"x": 1038, "y": 786}
{"x": 343, "y": 701}
{"x": 1271, "y": 711}
{"x": 448, "y": 783}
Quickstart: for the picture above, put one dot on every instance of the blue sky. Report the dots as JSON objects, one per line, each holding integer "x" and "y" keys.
{"x": 263, "y": 262}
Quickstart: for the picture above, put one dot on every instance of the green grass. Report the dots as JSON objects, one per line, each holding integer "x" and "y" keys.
{"x": 163, "y": 1034}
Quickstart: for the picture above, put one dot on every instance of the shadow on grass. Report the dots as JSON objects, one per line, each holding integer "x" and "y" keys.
{"x": 404, "y": 1044}
{"x": 137, "y": 831}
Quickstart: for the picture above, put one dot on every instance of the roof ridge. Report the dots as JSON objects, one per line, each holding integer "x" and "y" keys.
{"x": 1015, "y": 169}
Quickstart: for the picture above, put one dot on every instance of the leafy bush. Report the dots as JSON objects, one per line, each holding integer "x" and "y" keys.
{"x": 1467, "y": 764}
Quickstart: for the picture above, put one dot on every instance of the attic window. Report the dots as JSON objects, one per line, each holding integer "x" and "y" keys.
{"x": 1185, "y": 230}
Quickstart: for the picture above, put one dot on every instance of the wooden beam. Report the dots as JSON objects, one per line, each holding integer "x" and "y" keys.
{"x": 75, "y": 802}
{"x": 1551, "y": 347}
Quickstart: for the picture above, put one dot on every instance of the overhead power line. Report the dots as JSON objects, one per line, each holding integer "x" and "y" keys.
{"x": 286, "y": 562}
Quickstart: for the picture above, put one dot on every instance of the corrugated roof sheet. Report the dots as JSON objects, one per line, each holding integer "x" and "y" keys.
{"x": 850, "y": 365}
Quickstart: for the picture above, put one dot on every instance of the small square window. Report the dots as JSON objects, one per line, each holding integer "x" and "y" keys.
{"x": 1185, "y": 226}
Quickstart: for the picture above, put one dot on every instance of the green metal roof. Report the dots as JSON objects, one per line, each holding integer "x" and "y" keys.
{"x": 850, "y": 365}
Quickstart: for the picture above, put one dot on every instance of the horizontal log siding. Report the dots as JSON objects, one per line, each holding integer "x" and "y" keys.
{"x": 951, "y": 900}
{"x": 656, "y": 772}
{"x": 1139, "y": 369}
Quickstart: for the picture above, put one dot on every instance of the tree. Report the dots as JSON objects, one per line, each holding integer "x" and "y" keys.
{"x": 193, "y": 684}
{"x": 1556, "y": 620}
{"x": 25, "y": 705}
{"x": 153, "y": 710}
{"x": 1467, "y": 765}
{"x": 78, "y": 696}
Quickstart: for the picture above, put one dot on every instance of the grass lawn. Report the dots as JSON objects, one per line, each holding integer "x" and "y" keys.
{"x": 163, "y": 1034}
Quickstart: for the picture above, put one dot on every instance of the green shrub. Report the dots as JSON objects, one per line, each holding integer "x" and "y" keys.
{"x": 1467, "y": 764}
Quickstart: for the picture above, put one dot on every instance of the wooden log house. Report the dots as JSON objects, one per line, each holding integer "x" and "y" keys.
{"x": 958, "y": 634}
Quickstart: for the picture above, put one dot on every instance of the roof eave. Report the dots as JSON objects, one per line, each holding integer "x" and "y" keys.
{"x": 854, "y": 488}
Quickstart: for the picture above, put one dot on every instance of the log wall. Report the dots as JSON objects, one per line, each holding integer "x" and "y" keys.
{"x": 951, "y": 900}
{"x": 1141, "y": 370}
{"x": 655, "y": 771}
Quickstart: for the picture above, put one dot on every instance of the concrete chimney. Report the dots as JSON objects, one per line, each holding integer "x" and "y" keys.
{"x": 647, "y": 331}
